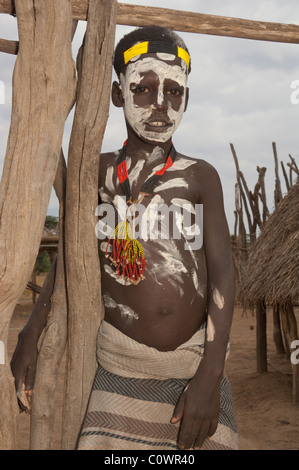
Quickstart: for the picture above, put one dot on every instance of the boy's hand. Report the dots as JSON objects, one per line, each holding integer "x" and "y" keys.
{"x": 198, "y": 410}
{"x": 23, "y": 367}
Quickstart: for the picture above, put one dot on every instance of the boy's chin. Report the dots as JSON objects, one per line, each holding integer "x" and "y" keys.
{"x": 154, "y": 137}
{"x": 150, "y": 137}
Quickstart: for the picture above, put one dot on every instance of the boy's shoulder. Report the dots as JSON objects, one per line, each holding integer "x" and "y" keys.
{"x": 109, "y": 157}
{"x": 199, "y": 165}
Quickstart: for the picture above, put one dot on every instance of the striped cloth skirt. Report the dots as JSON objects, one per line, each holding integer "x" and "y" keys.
{"x": 135, "y": 391}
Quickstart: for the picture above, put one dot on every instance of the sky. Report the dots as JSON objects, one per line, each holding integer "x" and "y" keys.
{"x": 240, "y": 93}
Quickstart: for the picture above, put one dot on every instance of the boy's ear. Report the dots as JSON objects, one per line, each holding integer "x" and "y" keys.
{"x": 116, "y": 95}
{"x": 187, "y": 98}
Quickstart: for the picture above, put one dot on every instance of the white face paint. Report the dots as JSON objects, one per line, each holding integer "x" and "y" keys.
{"x": 138, "y": 116}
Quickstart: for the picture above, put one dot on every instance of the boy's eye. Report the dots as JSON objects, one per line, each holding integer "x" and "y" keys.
{"x": 139, "y": 89}
{"x": 174, "y": 92}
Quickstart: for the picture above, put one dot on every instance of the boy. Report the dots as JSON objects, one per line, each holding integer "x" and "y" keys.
{"x": 168, "y": 303}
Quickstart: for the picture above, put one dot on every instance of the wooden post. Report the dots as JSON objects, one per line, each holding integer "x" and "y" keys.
{"x": 51, "y": 351}
{"x": 239, "y": 202}
{"x": 54, "y": 340}
{"x": 85, "y": 308}
{"x": 261, "y": 336}
{"x": 277, "y": 334}
{"x": 43, "y": 93}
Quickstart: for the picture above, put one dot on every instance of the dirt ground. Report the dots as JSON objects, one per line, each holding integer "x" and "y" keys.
{"x": 267, "y": 418}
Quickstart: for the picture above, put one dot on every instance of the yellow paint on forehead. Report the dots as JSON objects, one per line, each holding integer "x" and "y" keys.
{"x": 142, "y": 48}
{"x": 138, "y": 49}
{"x": 184, "y": 55}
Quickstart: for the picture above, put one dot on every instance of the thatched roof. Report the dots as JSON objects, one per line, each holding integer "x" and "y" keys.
{"x": 272, "y": 270}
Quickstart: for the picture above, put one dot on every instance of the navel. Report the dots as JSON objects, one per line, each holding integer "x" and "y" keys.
{"x": 164, "y": 311}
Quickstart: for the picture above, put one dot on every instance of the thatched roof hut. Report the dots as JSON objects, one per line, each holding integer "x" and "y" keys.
{"x": 272, "y": 270}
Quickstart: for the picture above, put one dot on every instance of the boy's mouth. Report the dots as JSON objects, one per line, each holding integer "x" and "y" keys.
{"x": 158, "y": 125}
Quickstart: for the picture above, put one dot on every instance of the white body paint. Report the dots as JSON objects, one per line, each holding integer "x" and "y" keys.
{"x": 121, "y": 206}
{"x": 218, "y": 298}
{"x": 125, "y": 311}
{"x": 149, "y": 226}
{"x": 104, "y": 196}
{"x": 109, "y": 270}
{"x": 170, "y": 265}
{"x": 138, "y": 116}
{"x": 210, "y": 329}
{"x": 184, "y": 204}
{"x": 189, "y": 232}
{"x": 181, "y": 164}
{"x": 156, "y": 154}
{"x": 109, "y": 179}
{"x": 195, "y": 280}
{"x": 172, "y": 184}
{"x": 136, "y": 171}
{"x": 103, "y": 247}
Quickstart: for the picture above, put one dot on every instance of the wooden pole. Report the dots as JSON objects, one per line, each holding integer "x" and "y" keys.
{"x": 184, "y": 21}
{"x": 42, "y": 431}
{"x": 85, "y": 309}
{"x": 43, "y": 93}
{"x": 261, "y": 336}
{"x": 239, "y": 198}
{"x": 277, "y": 190}
{"x": 190, "y": 22}
{"x": 277, "y": 334}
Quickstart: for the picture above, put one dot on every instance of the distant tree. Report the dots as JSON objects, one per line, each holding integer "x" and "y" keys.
{"x": 51, "y": 222}
{"x": 42, "y": 264}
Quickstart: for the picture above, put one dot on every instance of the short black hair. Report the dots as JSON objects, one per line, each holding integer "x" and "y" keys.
{"x": 146, "y": 33}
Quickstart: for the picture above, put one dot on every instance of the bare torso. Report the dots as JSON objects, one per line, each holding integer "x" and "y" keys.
{"x": 168, "y": 306}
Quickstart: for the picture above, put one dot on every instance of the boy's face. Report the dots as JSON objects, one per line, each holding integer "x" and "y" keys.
{"x": 154, "y": 91}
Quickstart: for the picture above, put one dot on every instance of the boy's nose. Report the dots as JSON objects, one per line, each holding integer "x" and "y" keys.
{"x": 160, "y": 104}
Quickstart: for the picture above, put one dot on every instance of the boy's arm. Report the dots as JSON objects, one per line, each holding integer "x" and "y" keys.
{"x": 24, "y": 359}
{"x": 198, "y": 409}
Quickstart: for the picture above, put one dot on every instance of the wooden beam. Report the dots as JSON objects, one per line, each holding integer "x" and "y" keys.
{"x": 7, "y": 6}
{"x": 10, "y": 47}
{"x": 185, "y": 21}
{"x": 190, "y": 22}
